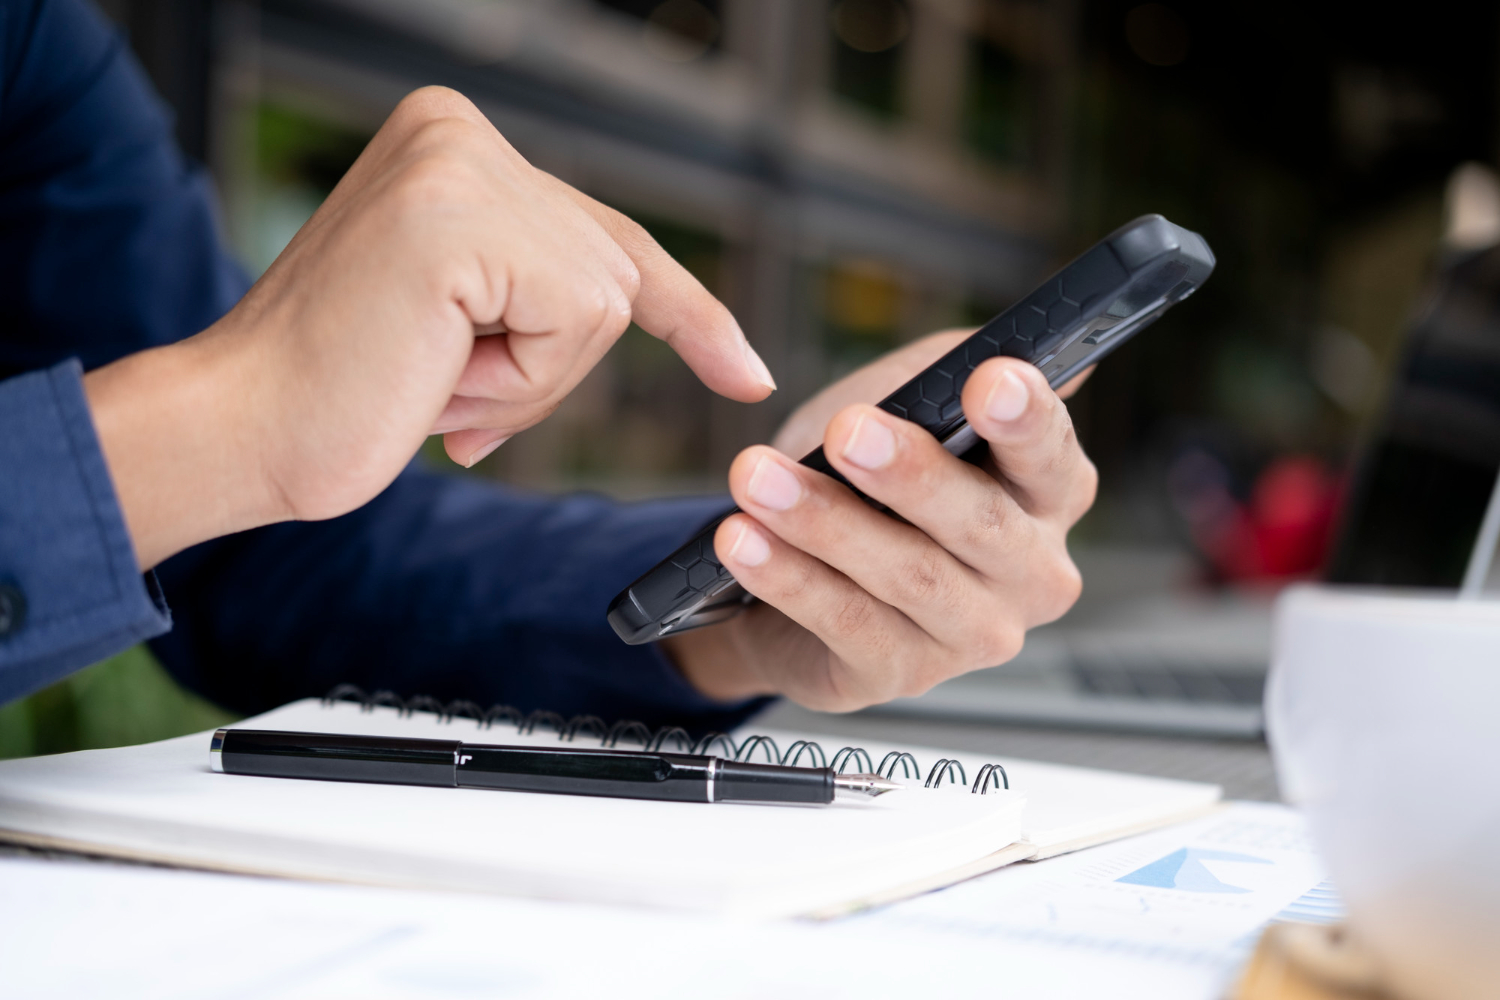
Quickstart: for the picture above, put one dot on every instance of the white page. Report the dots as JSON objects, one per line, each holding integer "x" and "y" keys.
{"x": 161, "y": 800}
{"x": 1194, "y": 895}
{"x": 88, "y": 930}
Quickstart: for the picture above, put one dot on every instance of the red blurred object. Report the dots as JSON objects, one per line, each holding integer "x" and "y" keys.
{"x": 1285, "y": 529}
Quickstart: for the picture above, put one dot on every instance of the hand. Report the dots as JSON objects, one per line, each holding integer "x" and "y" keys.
{"x": 858, "y": 607}
{"x": 445, "y": 286}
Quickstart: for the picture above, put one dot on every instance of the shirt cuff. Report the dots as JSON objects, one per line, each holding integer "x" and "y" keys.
{"x": 70, "y": 590}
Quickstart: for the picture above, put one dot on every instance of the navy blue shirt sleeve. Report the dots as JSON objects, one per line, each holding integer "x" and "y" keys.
{"x": 443, "y": 585}
{"x": 69, "y": 589}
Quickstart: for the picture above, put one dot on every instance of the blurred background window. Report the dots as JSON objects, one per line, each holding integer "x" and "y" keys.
{"x": 848, "y": 175}
{"x": 868, "y": 52}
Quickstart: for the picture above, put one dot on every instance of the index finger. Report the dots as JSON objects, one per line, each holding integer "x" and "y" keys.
{"x": 673, "y": 306}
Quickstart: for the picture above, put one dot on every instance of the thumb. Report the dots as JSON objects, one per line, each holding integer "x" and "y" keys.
{"x": 673, "y": 306}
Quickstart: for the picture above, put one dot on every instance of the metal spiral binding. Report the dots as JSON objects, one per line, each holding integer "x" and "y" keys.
{"x": 503, "y": 713}
{"x": 813, "y": 750}
{"x": 706, "y": 744}
{"x": 422, "y": 703}
{"x": 944, "y": 768}
{"x": 842, "y": 759}
{"x": 909, "y": 766}
{"x": 684, "y": 741}
{"x": 748, "y": 748}
{"x": 343, "y": 692}
{"x": 387, "y": 698}
{"x": 464, "y": 709}
{"x": 594, "y": 725}
{"x": 990, "y": 773}
{"x": 627, "y": 729}
{"x": 542, "y": 717}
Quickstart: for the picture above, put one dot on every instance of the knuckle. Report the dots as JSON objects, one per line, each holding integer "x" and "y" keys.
{"x": 801, "y": 581}
{"x": 924, "y": 579}
{"x": 1056, "y": 587}
{"x": 991, "y": 522}
{"x": 850, "y": 616}
{"x": 596, "y": 312}
{"x": 445, "y": 137}
{"x": 999, "y": 643}
{"x": 629, "y": 277}
{"x": 1066, "y": 586}
{"x": 632, "y": 236}
{"x": 843, "y": 687}
{"x": 614, "y": 313}
{"x": 1087, "y": 488}
{"x": 434, "y": 181}
{"x": 434, "y": 101}
{"x": 919, "y": 681}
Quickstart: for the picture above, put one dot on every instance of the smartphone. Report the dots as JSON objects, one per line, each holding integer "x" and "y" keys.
{"x": 1077, "y": 316}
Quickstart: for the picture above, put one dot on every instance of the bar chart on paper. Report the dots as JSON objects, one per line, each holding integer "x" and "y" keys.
{"x": 1188, "y": 869}
{"x": 1194, "y": 894}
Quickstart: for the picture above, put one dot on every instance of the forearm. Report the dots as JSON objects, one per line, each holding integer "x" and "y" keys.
{"x": 177, "y": 428}
{"x": 442, "y": 585}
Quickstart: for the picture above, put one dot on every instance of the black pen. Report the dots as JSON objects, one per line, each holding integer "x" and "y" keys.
{"x": 631, "y": 774}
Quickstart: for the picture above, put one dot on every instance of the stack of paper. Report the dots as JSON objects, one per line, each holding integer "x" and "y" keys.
{"x": 161, "y": 802}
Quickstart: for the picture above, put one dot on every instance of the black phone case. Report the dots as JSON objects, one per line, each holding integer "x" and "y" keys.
{"x": 1073, "y": 320}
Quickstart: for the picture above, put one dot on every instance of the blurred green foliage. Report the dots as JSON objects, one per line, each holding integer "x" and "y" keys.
{"x": 126, "y": 699}
{"x": 996, "y": 100}
{"x": 295, "y": 148}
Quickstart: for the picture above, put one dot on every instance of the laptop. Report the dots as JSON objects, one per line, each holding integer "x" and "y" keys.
{"x": 1144, "y": 650}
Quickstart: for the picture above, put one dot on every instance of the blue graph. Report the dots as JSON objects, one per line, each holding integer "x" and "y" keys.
{"x": 1184, "y": 869}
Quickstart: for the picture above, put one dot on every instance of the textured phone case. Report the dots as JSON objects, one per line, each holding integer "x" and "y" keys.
{"x": 1071, "y": 321}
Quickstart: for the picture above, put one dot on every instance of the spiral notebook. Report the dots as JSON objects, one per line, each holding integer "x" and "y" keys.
{"x": 960, "y": 816}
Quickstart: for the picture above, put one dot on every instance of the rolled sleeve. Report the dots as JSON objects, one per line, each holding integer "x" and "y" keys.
{"x": 70, "y": 591}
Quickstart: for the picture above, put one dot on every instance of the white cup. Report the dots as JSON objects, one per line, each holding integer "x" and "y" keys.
{"x": 1383, "y": 713}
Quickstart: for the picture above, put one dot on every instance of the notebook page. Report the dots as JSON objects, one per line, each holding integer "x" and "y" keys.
{"x": 1067, "y": 807}
{"x": 161, "y": 800}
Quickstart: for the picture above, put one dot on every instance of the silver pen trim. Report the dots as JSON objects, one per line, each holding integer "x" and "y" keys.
{"x": 216, "y": 751}
{"x": 864, "y": 784}
{"x": 713, "y": 767}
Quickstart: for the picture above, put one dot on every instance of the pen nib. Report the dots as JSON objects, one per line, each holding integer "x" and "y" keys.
{"x": 865, "y": 784}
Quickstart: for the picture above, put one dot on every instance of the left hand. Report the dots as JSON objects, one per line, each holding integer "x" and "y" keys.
{"x": 857, "y": 607}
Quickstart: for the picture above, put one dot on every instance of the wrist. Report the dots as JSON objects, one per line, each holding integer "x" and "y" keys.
{"x": 179, "y": 451}
{"x": 717, "y": 661}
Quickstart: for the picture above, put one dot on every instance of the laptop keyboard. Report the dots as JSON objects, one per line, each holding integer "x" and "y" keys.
{"x": 1163, "y": 683}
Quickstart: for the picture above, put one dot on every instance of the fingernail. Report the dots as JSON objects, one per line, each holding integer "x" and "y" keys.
{"x": 773, "y": 486}
{"x": 871, "y": 445}
{"x": 750, "y": 548}
{"x": 758, "y": 367}
{"x": 485, "y": 452}
{"x": 1008, "y": 398}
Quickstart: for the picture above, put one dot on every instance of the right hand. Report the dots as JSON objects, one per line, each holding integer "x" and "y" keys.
{"x": 445, "y": 286}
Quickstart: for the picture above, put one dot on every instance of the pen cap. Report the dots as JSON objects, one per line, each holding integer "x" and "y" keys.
{"x": 334, "y": 757}
{"x": 736, "y": 781}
